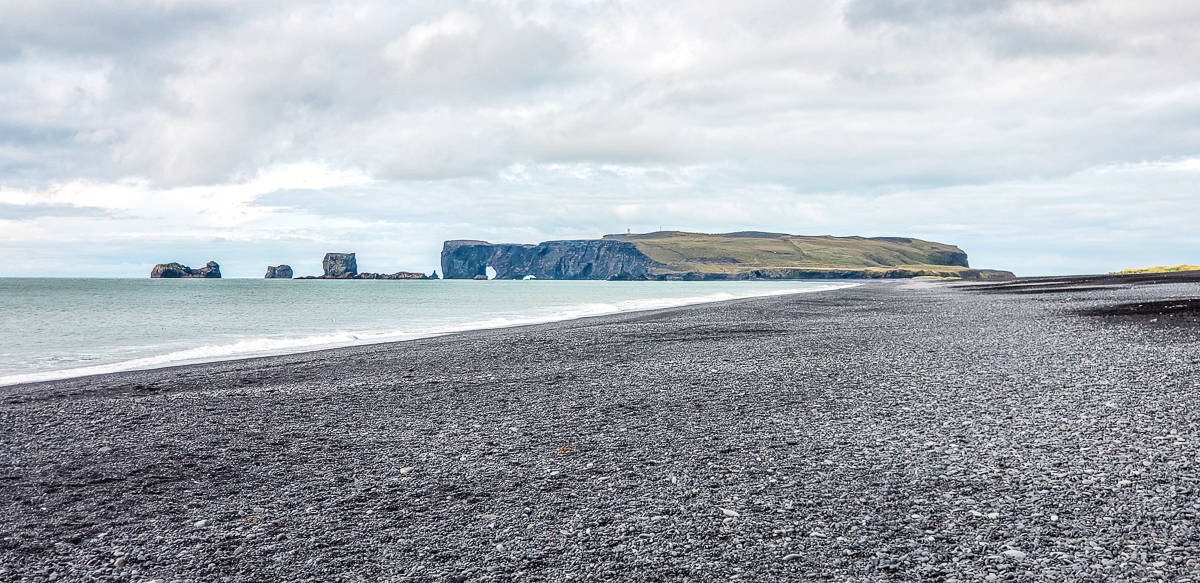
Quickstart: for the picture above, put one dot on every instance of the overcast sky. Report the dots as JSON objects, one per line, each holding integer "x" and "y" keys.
{"x": 1041, "y": 137}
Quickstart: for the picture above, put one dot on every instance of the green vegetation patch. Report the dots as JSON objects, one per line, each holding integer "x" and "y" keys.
{"x": 1160, "y": 269}
{"x": 747, "y": 251}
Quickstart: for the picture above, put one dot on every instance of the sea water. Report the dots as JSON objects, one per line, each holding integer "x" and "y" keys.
{"x": 61, "y": 328}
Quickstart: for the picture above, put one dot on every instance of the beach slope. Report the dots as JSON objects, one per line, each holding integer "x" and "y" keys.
{"x": 895, "y": 430}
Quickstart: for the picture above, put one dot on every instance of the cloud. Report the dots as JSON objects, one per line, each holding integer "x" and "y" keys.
{"x": 19, "y": 212}
{"x": 1020, "y": 129}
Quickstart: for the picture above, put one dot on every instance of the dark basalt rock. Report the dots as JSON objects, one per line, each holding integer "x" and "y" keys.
{"x": 397, "y": 275}
{"x": 345, "y": 266}
{"x": 339, "y": 266}
{"x": 583, "y": 259}
{"x": 278, "y": 272}
{"x": 178, "y": 270}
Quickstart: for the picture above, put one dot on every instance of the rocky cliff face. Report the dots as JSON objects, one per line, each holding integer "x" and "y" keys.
{"x": 339, "y": 266}
{"x": 583, "y": 259}
{"x": 178, "y": 270}
{"x": 278, "y": 272}
{"x": 953, "y": 257}
{"x": 949, "y": 258}
{"x": 692, "y": 256}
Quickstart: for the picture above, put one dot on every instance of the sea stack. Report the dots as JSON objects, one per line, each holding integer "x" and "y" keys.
{"x": 339, "y": 266}
{"x": 278, "y": 272}
{"x": 178, "y": 270}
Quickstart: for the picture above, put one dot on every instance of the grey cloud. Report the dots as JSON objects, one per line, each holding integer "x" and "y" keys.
{"x": 1008, "y": 28}
{"x": 34, "y": 135}
{"x": 136, "y": 29}
{"x": 425, "y": 93}
{"x": 906, "y": 12}
{"x": 33, "y": 211}
{"x": 527, "y": 119}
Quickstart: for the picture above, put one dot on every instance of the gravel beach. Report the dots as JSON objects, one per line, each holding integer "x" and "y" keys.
{"x": 904, "y": 430}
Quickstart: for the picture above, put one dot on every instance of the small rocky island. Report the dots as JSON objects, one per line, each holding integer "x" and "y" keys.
{"x": 345, "y": 266}
{"x": 278, "y": 272}
{"x": 339, "y": 266}
{"x": 334, "y": 265}
{"x": 178, "y": 270}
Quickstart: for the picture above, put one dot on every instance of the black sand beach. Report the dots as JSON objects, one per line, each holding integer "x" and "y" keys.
{"x": 1041, "y": 430}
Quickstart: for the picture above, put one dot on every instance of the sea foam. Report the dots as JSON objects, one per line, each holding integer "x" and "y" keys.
{"x": 279, "y": 345}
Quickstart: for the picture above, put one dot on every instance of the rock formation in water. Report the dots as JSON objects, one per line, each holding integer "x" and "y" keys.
{"x": 345, "y": 266}
{"x": 339, "y": 266}
{"x": 278, "y": 272}
{"x": 397, "y": 275}
{"x": 673, "y": 255}
{"x": 178, "y": 270}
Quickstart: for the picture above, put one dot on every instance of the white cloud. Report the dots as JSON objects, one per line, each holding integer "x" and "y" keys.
{"x": 418, "y": 46}
{"x": 134, "y": 209}
{"x": 1026, "y": 131}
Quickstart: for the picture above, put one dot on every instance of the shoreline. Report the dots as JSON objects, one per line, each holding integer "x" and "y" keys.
{"x": 898, "y": 431}
{"x": 117, "y": 368}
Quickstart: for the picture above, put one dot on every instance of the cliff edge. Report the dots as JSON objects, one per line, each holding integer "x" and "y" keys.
{"x": 580, "y": 259}
{"x": 669, "y": 255}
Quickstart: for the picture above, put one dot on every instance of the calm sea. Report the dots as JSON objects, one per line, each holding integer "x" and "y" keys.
{"x": 60, "y": 328}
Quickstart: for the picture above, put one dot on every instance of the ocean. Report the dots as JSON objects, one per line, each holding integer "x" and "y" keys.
{"x": 62, "y": 328}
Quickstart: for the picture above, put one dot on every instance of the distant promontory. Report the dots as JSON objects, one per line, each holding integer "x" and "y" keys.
{"x": 665, "y": 255}
{"x": 675, "y": 255}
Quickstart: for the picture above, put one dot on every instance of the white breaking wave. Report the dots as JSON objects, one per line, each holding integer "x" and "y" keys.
{"x": 257, "y": 347}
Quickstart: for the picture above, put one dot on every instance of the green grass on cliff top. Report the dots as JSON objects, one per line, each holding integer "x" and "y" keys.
{"x": 738, "y": 252}
{"x": 1160, "y": 269}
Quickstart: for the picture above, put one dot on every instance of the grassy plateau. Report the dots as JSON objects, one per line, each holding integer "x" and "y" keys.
{"x": 752, "y": 250}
